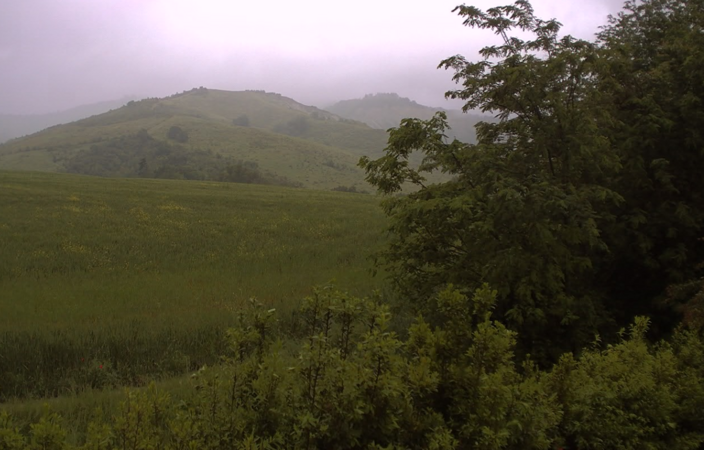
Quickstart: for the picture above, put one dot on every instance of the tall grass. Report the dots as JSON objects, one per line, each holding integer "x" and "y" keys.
{"x": 109, "y": 282}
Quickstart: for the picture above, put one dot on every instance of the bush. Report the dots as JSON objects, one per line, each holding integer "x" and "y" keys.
{"x": 351, "y": 383}
{"x": 241, "y": 121}
{"x": 177, "y": 134}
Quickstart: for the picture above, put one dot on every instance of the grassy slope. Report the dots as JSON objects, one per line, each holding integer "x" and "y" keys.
{"x": 13, "y": 126}
{"x": 266, "y": 110}
{"x": 145, "y": 274}
{"x": 325, "y": 156}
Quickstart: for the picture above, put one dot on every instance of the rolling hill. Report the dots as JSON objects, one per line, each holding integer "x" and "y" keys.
{"x": 206, "y": 134}
{"x": 384, "y": 111}
{"x": 16, "y": 125}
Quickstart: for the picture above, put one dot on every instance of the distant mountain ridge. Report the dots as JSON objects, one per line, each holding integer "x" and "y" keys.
{"x": 17, "y": 125}
{"x": 382, "y": 110}
{"x": 386, "y": 110}
{"x": 206, "y": 134}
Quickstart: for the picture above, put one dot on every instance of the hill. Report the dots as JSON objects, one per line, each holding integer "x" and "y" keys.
{"x": 384, "y": 111}
{"x": 206, "y": 134}
{"x": 17, "y": 125}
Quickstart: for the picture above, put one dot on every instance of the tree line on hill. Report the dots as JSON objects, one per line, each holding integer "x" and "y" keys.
{"x": 140, "y": 155}
{"x": 530, "y": 273}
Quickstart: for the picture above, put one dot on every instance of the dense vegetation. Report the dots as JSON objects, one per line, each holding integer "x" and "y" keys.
{"x": 352, "y": 383}
{"x": 574, "y": 215}
{"x": 140, "y": 155}
{"x": 584, "y": 202}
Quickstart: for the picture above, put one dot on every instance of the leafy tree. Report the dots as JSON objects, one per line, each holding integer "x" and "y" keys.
{"x": 689, "y": 297}
{"x": 143, "y": 170}
{"x": 653, "y": 74}
{"x": 525, "y": 204}
{"x": 584, "y": 201}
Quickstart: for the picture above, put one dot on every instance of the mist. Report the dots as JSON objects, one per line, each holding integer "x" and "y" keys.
{"x": 59, "y": 55}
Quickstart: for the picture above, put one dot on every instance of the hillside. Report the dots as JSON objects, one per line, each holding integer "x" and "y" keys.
{"x": 201, "y": 133}
{"x": 384, "y": 111}
{"x": 17, "y": 125}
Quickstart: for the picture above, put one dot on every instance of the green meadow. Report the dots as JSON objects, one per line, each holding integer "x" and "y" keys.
{"x": 118, "y": 282}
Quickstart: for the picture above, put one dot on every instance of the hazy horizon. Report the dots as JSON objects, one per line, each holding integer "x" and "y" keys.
{"x": 59, "y": 55}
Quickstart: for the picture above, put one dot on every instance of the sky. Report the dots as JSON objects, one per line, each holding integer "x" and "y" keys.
{"x": 58, "y": 54}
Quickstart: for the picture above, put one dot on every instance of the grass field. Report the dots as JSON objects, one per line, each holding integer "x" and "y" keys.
{"x": 109, "y": 282}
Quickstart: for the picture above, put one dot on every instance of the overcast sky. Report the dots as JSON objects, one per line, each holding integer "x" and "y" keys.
{"x": 57, "y": 54}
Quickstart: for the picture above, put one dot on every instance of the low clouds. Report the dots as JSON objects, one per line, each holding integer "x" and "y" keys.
{"x": 55, "y": 55}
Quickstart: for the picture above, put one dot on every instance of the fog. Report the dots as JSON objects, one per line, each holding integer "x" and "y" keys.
{"x": 56, "y": 55}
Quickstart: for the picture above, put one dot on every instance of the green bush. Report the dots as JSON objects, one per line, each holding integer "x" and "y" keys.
{"x": 351, "y": 383}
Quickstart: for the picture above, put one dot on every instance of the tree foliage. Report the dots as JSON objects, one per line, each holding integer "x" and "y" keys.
{"x": 652, "y": 69}
{"x": 140, "y": 155}
{"x": 177, "y": 134}
{"x": 549, "y": 205}
{"x": 349, "y": 382}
